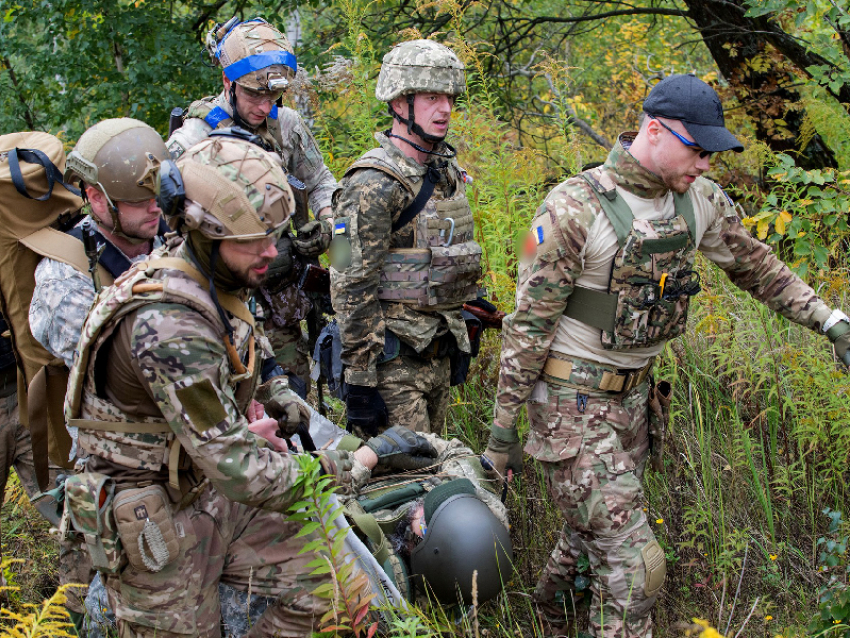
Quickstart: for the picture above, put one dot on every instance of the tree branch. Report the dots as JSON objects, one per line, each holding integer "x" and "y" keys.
{"x": 28, "y": 118}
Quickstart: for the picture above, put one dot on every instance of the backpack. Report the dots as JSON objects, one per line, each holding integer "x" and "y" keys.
{"x": 35, "y": 206}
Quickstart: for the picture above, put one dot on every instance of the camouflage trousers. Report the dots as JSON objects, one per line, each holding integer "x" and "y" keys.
{"x": 16, "y": 451}
{"x": 290, "y": 349}
{"x": 416, "y": 392}
{"x": 245, "y": 547}
{"x": 593, "y": 448}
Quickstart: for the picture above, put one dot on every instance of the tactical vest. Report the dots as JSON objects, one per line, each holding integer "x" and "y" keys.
{"x": 652, "y": 276}
{"x": 216, "y": 117}
{"x": 442, "y": 269}
{"x": 149, "y": 443}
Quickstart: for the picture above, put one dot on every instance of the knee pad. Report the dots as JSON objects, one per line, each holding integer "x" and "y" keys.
{"x": 655, "y": 565}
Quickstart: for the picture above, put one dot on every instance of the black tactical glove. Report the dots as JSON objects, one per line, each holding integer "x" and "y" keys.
{"x": 366, "y": 410}
{"x": 401, "y": 449}
{"x": 839, "y": 334}
{"x": 504, "y": 450}
{"x": 282, "y": 404}
{"x": 313, "y": 238}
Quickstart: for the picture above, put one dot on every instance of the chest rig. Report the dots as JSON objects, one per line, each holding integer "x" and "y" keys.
{"x": 149, "y": 443}
{"x": 652, "y": 276}
{"x": 441, "y": 269}
{"x": 216, "y": 117}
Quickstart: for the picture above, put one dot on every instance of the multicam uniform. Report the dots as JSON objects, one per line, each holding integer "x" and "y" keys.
{"x": 586, "y": 379}
{"x": 153, "y": 359}
{"x": 288, "y": 135}
{"x": 399, "y": 308}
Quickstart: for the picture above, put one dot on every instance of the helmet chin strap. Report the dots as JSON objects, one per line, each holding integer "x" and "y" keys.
{"x": 237, "y": 119}
{"x": 414, "y": 129}
{"x": 117, "y": 229}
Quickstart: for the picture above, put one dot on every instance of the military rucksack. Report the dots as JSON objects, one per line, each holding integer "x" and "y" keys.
{"x": 36, "y": 205}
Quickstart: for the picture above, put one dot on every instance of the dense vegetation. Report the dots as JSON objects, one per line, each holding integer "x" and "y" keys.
{"x": 749, "y": 505}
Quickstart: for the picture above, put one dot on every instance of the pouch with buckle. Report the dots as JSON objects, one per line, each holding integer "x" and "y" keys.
{"x": 145, "y": 525}
{"x": 88, "y": 504}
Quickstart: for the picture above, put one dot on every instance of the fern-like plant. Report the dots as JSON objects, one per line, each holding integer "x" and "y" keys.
{"x": 347, "y": 587}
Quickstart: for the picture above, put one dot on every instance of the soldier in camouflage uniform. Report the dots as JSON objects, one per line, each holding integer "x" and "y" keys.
{"x": 603, "y": 285}
{"x": 162, "y": 392}
{"x": 257, "y": 65}
{"x": 403, "y": 256}
{"x": 116, "y": 160}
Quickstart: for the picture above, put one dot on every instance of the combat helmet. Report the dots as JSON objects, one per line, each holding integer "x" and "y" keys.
{"x": 121, "y": 157}
{"x": 419, "y": 66}
{"x": 254, "y": 55}
{"x": 463, "y": 536}
{"x": 226, "y": 188}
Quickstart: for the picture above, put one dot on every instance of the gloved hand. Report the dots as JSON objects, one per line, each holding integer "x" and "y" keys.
{"x": 366, "y": 410}
{"x": 401, "y": 449}
{"x": 504, "y": 450}
{"x": 313, "y": 238}
{"x": 283, "y": 405}
{"x": 839, "y": 334}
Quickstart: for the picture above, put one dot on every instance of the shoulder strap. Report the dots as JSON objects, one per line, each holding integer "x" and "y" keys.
{"x": 110, "y": 258}
{"x": 685, "y": 207}
{"x": 54, "y": 244}
{"x": 615, "y": 208}
{"x": 367, "y": 524}
{"x": 229, "y": 302}
{"x": 415, "y": 207}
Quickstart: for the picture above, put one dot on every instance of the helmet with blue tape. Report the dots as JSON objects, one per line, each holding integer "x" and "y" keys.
{"x": 253, "y": 54}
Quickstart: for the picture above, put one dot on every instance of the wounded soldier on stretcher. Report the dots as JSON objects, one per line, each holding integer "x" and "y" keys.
{"x": 427, "y": 523}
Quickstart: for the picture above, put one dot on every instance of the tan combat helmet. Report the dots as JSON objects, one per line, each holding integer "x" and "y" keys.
{"x": 419, "y": 66}
{"x": 121, "y": 157}
{"x": 254, "y": 54}
{"x": 226, "y": 188}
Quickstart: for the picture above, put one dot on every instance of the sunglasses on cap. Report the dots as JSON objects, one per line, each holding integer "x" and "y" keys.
{"x": 702, "y": 154}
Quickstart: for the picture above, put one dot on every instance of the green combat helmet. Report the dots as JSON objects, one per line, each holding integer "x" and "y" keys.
{"x": 463, "y": 536}
{"x": 419, "y": 66}
{"x": 121, "y": 157}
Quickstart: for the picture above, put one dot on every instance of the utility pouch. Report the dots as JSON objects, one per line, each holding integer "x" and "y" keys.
{"x": 660, "y": 396}
{"x": 146, "y": 528}
{"x": 328, "y": 354}
{"x": 88, "y": 503}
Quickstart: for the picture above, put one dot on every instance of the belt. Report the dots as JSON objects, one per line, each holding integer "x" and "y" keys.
{"x": 578, "y": 372}
{"x": 442, "y": 346}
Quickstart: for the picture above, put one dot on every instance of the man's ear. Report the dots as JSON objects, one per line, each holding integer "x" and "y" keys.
{"x": 399, "y": 105}
{"x": 95, "y": 196}
{"x": 226, "y": 82}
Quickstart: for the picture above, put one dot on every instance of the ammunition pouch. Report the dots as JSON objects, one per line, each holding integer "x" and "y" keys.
{"x": 89, "y": 501}
{"x": 146, "y": 528}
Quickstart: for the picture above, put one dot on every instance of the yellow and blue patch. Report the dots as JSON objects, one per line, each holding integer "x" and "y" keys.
{"x": 339, "y": 228}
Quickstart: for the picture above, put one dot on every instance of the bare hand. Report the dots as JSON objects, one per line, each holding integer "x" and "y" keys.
{"x": 267, "y": 428}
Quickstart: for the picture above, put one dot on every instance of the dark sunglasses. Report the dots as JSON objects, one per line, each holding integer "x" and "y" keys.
{"x": 688, "y": 143}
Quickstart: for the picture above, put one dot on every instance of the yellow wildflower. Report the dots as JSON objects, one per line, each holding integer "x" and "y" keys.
{"x": 768, "y": 617}
{"x": 773, "y": 557}
{"x": 660, "y": 521}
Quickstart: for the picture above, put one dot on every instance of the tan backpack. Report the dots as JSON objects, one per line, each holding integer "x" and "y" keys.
{"x": 35, "y": 203}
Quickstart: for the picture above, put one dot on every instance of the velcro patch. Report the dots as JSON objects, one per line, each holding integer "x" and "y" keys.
{"x": 339, "y": 228}
{"x": 201, "y": 403}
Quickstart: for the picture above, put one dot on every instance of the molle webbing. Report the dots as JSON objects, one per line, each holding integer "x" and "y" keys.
{"x": 597, "y": 308}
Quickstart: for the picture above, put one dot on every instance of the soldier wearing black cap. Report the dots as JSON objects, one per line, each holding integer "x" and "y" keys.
{"x": 604, "y": 283}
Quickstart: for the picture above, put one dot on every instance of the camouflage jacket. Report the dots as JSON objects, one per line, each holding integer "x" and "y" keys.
{"x": 578, "y": 247}
{"x": 372, "y": 200}
{"x": 284, "y": 130}
{"x": 168, "y": 332}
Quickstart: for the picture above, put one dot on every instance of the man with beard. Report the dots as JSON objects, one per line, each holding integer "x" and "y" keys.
{"x": 116, "y": 162}
{"x": 403, "y": 257}
{"x": 163, "y": 391}
{"x": 258, "y": 65}
{"x": 604, "y": 283}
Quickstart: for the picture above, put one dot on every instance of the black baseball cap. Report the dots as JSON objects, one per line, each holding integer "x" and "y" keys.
{"x": 696, "y": 105}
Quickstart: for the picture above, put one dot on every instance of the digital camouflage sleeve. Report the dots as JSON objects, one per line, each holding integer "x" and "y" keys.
{"x": 368, "y": 199}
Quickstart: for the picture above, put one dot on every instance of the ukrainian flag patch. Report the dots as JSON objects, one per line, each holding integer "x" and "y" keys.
{"x": 339, "y": 228}
{"x": 538, "y": 233}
